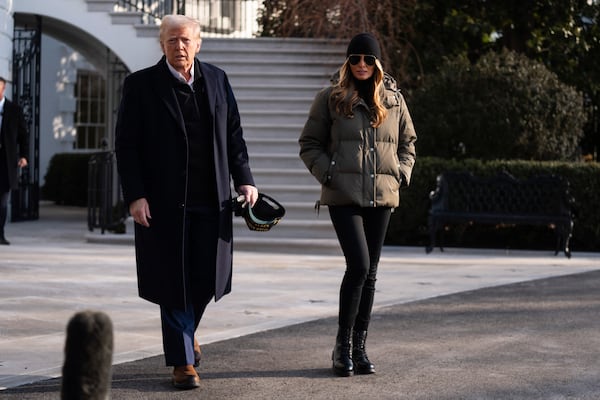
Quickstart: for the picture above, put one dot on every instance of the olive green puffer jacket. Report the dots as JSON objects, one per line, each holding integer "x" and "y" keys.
{"x": 355, "y": 163}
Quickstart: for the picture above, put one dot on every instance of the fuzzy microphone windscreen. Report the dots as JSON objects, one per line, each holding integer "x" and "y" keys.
{"x": 87, "y": 368}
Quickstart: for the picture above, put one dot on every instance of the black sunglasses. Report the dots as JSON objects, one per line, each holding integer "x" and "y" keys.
{"x": 355, "y": 59}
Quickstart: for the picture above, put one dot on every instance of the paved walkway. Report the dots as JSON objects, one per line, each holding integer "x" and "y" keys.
{"x": 50, "y": 272}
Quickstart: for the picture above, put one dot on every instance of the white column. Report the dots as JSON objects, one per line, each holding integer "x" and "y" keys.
{"x": 6, "y": 40}
{"x": 6, "y": 52}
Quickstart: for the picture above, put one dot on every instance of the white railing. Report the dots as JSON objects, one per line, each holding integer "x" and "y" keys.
{"x": 218, "y": 18}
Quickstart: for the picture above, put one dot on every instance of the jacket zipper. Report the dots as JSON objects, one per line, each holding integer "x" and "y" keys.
{"x": 374, "y": 179}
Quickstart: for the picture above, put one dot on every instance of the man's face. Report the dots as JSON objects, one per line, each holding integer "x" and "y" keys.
{"x": 2, "y": 87}
{"x": 180, "y": 45}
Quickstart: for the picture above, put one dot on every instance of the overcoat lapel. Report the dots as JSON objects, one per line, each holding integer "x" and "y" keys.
{"x": 167, "y": 94}
{"x": 211, "y": 89}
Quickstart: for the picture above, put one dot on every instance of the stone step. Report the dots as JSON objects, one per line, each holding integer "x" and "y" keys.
{"x": 302, "y": 55}
{"x": 270, "y": 68}
{"x": 288, "y": 228}
{"x": 279, "y": 103}
{"x": 279, "y": 78}
{"x": 253, "y": 90}
{"x": 282, "y": 175}
{"x": 100, "y": 5}
{"x": 274, "y": 117}
{"x": 276, "y": 160}
{"x": 272, "y": 46}
{"x": 267, "y": 129}
{"x": 256, "y": 243}
{"x": 146, "y": 31}
{"x": 126, "y": 17}
{"x": 292, "y": 193}
{"x": 280, "y": 145}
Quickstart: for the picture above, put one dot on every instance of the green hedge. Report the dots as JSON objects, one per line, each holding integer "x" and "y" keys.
{"x": 408, "y": 226}
{"x": 505, "y": 106}
{"x": 66, "y": 180}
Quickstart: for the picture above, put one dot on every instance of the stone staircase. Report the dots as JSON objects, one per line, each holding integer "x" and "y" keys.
{"x": 275, "y": 81}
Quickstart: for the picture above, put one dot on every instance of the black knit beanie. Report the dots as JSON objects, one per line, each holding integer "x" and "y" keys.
{"x": 364, "y": 43}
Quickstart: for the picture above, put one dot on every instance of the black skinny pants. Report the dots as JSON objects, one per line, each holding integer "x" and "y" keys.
{"x": 361, "y": 232}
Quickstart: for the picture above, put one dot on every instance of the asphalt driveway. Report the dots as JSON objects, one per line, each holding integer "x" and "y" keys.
{"x": 532, "y": 340}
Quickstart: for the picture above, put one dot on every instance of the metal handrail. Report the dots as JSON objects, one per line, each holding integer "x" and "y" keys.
{"x": 152, "y": 10}
{"x": 217, "y": 17}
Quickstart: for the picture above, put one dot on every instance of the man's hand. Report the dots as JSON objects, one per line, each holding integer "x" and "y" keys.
{"x": 140, "y": 211}
{"x": 249, "y": 192}
{"x": 22, "y": 162}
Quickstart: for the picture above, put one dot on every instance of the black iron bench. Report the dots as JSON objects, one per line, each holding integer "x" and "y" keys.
{"x": 542, "y": 200}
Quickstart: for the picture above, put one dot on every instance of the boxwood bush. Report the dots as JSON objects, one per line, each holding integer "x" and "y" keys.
{"x": 66, "y": 180}
{"x": 505, "y": 106}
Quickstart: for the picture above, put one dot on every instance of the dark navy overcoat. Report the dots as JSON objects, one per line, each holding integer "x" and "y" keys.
{"x": 151, "y": 150}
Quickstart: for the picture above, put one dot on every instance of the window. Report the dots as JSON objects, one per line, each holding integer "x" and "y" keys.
{"x": 90, "y": 115}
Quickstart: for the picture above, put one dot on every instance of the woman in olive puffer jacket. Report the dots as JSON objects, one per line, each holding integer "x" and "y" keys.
{"x": 358, "y": 142}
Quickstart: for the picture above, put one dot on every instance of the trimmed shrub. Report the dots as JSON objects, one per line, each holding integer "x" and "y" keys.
{"x": 66, "y": 181}
{"x": 505, "y": 106}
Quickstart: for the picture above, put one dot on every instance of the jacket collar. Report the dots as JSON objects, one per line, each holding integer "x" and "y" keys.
{"x": 165, "y": 90}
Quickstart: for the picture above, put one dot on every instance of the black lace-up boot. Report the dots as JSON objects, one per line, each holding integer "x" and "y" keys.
{"x": 342, "y": 362}
{"x": 362, "y": 365}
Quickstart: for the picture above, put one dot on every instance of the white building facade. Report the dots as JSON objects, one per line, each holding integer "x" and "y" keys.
{"x": 85, "y": 49}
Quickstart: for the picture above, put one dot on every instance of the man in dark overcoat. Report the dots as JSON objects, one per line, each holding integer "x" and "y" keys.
{"x": 178, "y": 145}
{"x": 14, "y": 150}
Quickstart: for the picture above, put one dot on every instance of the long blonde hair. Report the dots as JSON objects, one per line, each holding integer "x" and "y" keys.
{"x": 345, "y": 95}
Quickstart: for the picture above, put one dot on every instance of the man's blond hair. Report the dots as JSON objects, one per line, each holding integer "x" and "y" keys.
{"x": 177, "y": 20}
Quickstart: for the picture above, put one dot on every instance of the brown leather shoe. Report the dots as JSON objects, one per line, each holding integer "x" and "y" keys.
{"x": 197, "y": 353}
{"x": 185, "y": 377}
